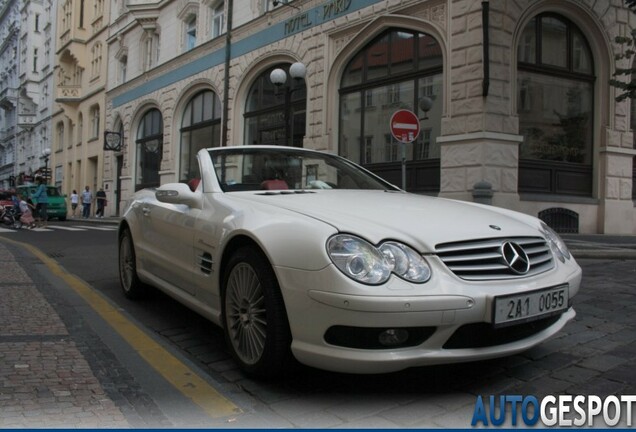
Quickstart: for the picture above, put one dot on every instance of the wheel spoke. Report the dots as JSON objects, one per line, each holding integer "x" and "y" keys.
{"x": 246, "y": 316}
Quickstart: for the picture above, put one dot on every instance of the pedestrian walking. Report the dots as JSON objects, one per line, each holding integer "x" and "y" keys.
{"x": 74, "y": 202}
{"x": 101, "y": 203}
{"x": 42, "y": 202}
{"x": 87, "y": 199}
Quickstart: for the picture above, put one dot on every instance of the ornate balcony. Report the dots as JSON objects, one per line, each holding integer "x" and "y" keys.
{"x": 26, "y": 120}
{"x": 8, "y": 98}
{"x": 69, "y": 93}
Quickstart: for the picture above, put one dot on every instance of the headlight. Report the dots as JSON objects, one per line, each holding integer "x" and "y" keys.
{"x": 556, "y": 243}
{"x": 363, "y": 262}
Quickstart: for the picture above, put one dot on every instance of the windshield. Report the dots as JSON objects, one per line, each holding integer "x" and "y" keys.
{"x": 51, "y": 191}
{"x": 251, "y": 169}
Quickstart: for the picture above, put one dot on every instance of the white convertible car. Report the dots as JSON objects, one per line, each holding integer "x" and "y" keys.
{"x": 302, "y": 254}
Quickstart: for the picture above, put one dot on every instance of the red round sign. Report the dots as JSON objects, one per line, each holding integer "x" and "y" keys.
{"x": 405, "y": 126}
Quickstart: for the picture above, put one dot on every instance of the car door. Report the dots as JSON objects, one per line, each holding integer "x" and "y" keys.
{"x": 168, "y": 231}
{"x": 208, "y": 233}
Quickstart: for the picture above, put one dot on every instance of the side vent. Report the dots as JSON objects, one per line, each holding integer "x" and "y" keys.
{"x": 205, "y": 263}
{"x": 561, "y": 220}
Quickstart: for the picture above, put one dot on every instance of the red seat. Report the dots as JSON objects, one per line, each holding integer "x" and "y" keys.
{"x": 194, "y": 183}
{"x": 274, "y": 185}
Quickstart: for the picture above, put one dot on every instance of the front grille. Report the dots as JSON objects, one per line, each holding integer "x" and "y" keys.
{"x": 480, "y": 260}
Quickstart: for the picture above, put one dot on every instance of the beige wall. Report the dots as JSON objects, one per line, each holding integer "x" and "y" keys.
{"x": 81, "y": 154}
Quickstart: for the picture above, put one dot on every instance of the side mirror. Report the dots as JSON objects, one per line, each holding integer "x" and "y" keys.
{"x": 178, "y": 193}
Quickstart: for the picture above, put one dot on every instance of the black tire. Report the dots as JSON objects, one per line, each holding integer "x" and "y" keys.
{"x": 254, "y": 316}
{"x": 132, "y": 287}
{"x": 62, "y": 218}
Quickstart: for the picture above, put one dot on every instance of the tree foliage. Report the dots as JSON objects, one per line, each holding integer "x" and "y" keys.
{"x": 625, "y": 78}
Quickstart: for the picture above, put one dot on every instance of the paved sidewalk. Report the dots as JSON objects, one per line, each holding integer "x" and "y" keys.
{"x": 64, "y": 366}
{"x": 45, "y": 380}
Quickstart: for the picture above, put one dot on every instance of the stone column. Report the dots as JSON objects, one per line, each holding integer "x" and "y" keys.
{"x": 467, "y": 159}
{"x": 616, "y": 208}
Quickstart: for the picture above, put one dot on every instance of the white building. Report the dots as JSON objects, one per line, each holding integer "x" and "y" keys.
{"x": 9, "y": 83}
{"x": 515, "y": 94}
{"x": 26, "y": 85}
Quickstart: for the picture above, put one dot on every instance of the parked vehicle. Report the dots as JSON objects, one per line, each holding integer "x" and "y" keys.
{"x": 9, "y": 217}
{"x": 57, "y": 208}
{"x": 305, "y": 254}
{"x": 5, "y": 198}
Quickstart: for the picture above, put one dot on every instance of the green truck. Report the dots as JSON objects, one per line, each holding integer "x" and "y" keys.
{"x": 57, "y": 207}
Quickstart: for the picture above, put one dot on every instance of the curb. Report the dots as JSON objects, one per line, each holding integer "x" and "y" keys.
{"x": 622, "y": 254}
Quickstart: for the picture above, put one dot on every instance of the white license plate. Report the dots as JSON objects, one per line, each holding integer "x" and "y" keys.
{"x": 529, "y": 306}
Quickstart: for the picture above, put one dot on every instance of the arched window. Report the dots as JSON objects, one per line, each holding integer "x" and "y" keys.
{"x": 200, "y": 128}
{"x": 399, "y": 69}
{"x": 273, "y": 115}
{"x": 149, "y": 149}
{"x": 555, "y": 103}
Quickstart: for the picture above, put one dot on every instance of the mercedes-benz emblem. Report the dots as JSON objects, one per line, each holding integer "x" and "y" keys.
{"x": 515, "y": 257}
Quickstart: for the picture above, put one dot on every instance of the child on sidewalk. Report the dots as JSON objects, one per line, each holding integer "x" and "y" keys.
{"x": 26, "y": 215}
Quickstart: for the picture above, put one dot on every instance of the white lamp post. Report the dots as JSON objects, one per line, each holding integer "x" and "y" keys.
{"x": 46, "y": 153}
{"x": 278, "y": 77}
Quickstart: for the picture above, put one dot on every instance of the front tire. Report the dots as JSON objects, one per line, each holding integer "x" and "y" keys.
{"x": 132, "y": 287}
{"x": 254, "y": 315}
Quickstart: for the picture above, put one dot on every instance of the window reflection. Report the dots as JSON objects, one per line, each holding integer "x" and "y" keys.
{"x": 554, "y": 42}
{"x": 149, "y": 149}
{"x": 276, "y": 116}
{"x": 557, "y": 120}
{"x": 555, "y": 103}
{"x": 200, "y": 128}
{"x": 365, "y": 113}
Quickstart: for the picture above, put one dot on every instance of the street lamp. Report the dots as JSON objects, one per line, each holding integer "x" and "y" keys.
{"x": 425, "y": 103}
{"x": 46, "y": 153}
{"x": 278, "y": 77}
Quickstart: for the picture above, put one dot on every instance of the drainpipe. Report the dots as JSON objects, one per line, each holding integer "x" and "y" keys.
{"x": 485, "y": 7}
{"x": 226, "y": 79}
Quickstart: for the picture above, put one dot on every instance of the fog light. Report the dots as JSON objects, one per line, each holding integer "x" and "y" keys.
{"x": 392, "y": 337}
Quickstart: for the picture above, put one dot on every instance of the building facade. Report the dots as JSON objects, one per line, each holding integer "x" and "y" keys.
{"x": 27, "y": 89}
{"x": 80, "y": 94}
{"x": 9, "y": 83}
{"x": 513, "y": 95}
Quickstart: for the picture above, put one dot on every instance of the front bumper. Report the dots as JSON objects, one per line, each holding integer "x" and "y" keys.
{"x": 319, "y": 300}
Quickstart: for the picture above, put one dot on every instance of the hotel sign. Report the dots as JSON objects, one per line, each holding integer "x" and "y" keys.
{"x": 328, "y": 11}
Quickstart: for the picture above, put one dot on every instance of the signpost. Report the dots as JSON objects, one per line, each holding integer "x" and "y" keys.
{"x": 405, "y": 127}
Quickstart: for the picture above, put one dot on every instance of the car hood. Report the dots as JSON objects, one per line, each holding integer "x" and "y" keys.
{"x": 418, "y": 220}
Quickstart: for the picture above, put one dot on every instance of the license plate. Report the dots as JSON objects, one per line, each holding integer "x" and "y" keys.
{"x": 529, "y": 306}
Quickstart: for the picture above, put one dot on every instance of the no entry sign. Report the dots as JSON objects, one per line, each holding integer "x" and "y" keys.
{"x": 405, "y": 126}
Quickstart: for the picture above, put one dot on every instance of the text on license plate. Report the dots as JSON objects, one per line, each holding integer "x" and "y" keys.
{"x": 512, "y": 309}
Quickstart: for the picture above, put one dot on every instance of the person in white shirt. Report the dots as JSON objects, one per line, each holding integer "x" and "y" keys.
{"x": 74, "y": 201}
{"x": 87, "y": 199}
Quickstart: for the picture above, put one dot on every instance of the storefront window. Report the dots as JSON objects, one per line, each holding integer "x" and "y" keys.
{"x": 555, "y": 103}
{"x": 200, "y": 128}
{"x": 149, "y": 150}
{"x": 395, "y": 71}
{"x": 276, "y": 116}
